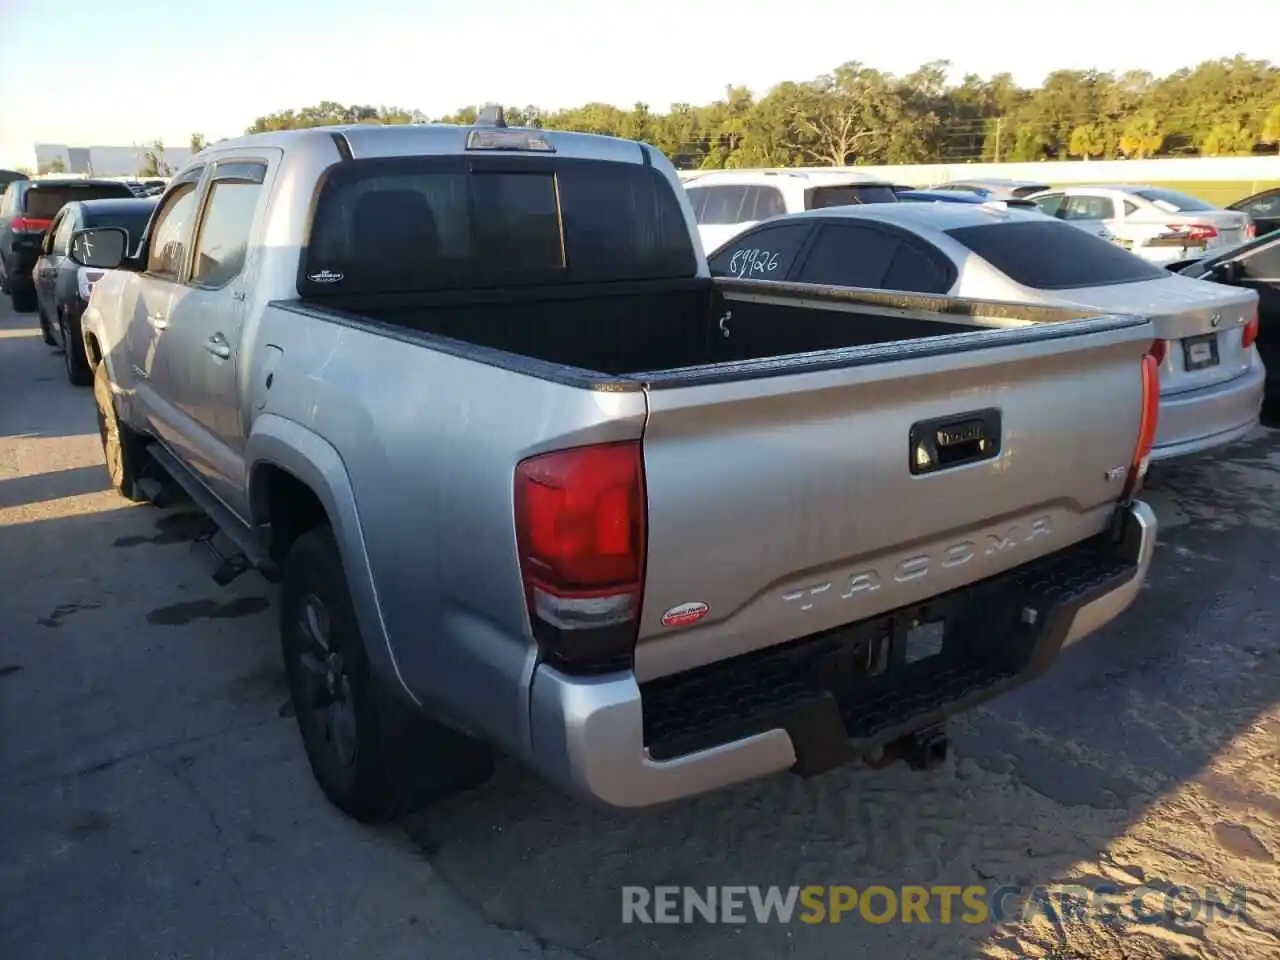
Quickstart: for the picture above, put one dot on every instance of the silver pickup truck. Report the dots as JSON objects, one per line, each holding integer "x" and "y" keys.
{"x": 534, "y": 483}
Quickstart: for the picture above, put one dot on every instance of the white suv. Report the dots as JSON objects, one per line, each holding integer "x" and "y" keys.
{"x": 726, "y": 202}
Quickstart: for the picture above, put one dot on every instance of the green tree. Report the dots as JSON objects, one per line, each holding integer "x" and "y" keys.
{"x": 1087, "y": 140}
{"x": 198, "y": 142}
{"x": 1271, "y": 127}
{"x": 1141, "y": 136}
{"x": 56, "y": 165}
{"x": 1228, "y": 139}
{"x": 856, "y": 114}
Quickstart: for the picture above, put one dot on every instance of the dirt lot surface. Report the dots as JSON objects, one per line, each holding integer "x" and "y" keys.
{"x": 155, "y": 802}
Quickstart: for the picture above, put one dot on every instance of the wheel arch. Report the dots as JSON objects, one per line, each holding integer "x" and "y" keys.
{"x": 297, "y": 479}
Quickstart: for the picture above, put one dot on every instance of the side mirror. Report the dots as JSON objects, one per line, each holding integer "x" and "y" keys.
{"x": 103, "y": 247}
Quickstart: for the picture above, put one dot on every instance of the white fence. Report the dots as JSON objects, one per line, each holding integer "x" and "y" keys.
{"x": 1251, "y": 169}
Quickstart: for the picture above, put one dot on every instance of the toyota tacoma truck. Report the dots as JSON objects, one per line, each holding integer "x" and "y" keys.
{"x": 534, "y": 484}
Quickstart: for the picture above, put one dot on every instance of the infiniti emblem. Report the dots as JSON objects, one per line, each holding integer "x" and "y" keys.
{"x": 1215, "y": 318}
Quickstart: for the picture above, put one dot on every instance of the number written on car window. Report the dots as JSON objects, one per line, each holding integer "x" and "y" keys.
{"x": 753, "y": 262}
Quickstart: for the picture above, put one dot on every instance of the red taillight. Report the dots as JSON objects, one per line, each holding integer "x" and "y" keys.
{"x": 580, "y": 532}
{"x": 1146, "y": 425}
{"x": 1197, "y": 232}
{"x": 1250, "y": 231}
{"x": 30, "y": 224}
{"x": 1249, "y": 335}
{"x": 1159, "y": 350}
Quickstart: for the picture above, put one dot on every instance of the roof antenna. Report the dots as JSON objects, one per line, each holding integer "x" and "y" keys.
{"x": 491, "y": 115}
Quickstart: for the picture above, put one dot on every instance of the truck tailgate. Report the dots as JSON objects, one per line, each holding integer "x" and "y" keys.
{"x": 785, "y": 500}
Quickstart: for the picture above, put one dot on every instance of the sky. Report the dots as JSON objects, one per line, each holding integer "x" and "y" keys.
{"x": 89, "y": 72}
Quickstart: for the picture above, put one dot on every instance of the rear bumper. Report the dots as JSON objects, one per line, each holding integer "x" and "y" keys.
{"x": 1198, "y": 421}
{"x": 609, "y": 739}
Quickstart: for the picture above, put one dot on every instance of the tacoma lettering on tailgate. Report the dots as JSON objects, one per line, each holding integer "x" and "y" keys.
{"x": 920, "y": 565}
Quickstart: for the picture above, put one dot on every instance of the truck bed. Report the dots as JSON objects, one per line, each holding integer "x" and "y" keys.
{"x": 643, "y": 329}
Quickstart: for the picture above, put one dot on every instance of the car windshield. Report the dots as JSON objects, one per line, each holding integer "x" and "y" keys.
{"x": 1174, "y": 202}
{"x": 1051, "y": 255}
{"x": 44, "y": 200}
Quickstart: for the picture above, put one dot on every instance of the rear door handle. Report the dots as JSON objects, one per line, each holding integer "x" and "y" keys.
{"x": 218, "y": 346}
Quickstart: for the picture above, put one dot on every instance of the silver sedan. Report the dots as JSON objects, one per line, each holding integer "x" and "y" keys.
{"x": 1211, "y": 377}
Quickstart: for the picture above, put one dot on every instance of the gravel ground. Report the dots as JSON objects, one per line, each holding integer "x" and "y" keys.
{"x": 155, "y": 802}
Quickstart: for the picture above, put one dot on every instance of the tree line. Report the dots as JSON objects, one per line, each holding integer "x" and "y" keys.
{"x": 858, "y": 114}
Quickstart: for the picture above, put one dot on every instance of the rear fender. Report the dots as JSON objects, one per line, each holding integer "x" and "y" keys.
{"x": 290, "y": 446}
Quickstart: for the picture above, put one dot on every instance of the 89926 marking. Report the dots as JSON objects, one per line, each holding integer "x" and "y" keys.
{"x": 752, "y": 262}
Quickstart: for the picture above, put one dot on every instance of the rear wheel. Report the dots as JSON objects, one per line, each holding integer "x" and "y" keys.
{"x": 374, "y": 757}
{"x": 124, "y": 450}
{"x": 73, "y": 357}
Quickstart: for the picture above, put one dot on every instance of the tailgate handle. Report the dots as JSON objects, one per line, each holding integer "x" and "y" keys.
{"x": 954, "y": 441}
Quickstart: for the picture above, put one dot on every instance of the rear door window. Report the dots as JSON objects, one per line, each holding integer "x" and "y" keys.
{"x": 850, "y": 255}
{"x": 1050, "y": 204}
{"x": 764, "y": 254}
{"x": 1088, "y": 207}
{"x": 409, "y": 224}
{"x": 1049, "y": 255}
{"x": 724, "y": 204}
{"x": 764, "y": 202}
{"x": 223, "y": 241}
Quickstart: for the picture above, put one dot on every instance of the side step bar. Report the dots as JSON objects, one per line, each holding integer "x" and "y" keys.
{"x": 229, "y": 544}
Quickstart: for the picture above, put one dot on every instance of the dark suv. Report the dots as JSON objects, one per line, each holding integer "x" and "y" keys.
{"x": 27, "y": 209}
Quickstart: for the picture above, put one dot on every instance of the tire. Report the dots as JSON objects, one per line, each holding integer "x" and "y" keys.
{"x": 46, "y": 334}
{"x": 125, "y": 451}
{"x": 73, "y": 357}
{"x": 23, "y": 299}
{"x": 374, "y": 758}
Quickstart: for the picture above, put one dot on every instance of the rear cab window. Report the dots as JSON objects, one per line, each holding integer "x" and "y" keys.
{"x": 1050, "y": 255}
{"x": 410, "y": 224}
{"x": 816, "y": 198}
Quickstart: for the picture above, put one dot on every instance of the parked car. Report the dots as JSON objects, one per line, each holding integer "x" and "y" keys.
{"x": 726, "y": 202}
{"x": 1263, "y": 209}
{"x": 26, "y": 210}
{"x": 994, "y": 188}
{"x": 63, "y": 287}
{"x": 507, "y": 504}
{"x": 1157, "y": 224}
{"x": 1255, "y": 266}
{"x": 1211, "y": 379}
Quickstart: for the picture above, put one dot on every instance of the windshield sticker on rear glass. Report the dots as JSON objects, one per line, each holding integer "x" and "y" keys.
{"x": 752, "y": 262}
{"x": 324, "y": 276}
